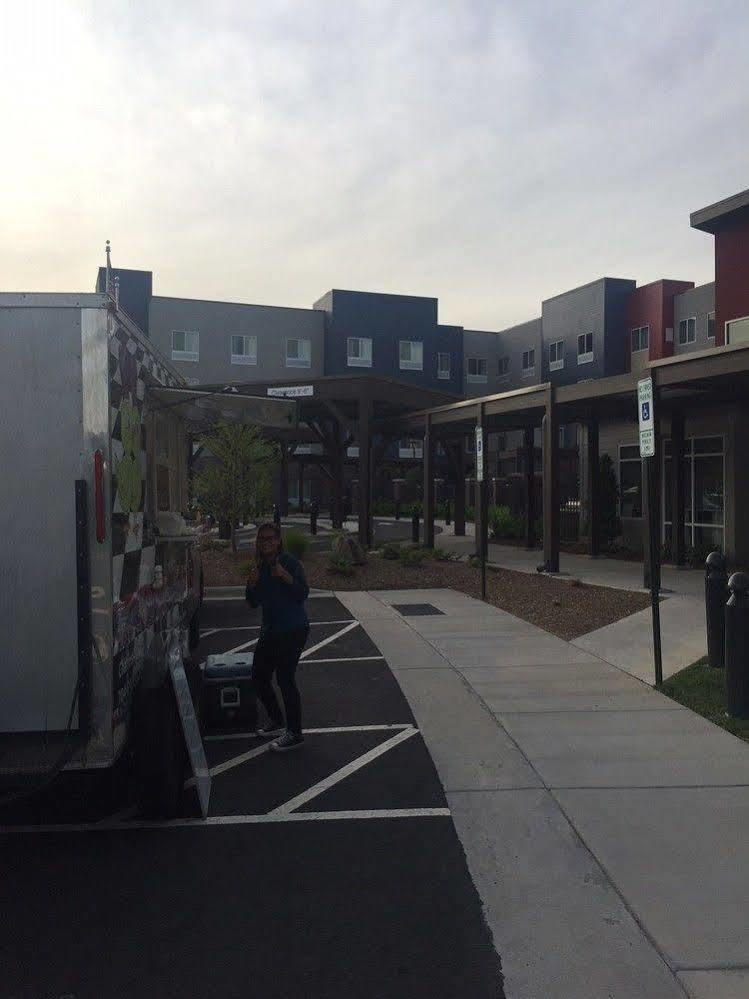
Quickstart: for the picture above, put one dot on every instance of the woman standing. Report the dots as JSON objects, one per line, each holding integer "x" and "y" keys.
{"x": 277, "y": 583}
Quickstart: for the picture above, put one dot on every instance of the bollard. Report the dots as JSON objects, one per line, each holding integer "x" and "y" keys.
{"x": 276, "y": 515}
{"x": 415, "y": 527}
{"x": 716, "y": 595}
{"x": 737, "y": 646}
{"x": 313, "y": 511}
{"x": 447, "y": 513}
{"x": 397, "y": 509}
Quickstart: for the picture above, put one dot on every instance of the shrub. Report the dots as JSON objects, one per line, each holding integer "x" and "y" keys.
{"x": 411, "y": 556}
{"x": 346, "y": 547}
{"x": 383, "y": 508}
{"x": 474, "y": 561}
{"x": 443, "y": 555}
{"x": 503, "y": 523}
{"x": 340, "y": 566}
{"x": 391, "y": 551}
{"x": 295, "y": 543}
{"x": 214, "y": 545}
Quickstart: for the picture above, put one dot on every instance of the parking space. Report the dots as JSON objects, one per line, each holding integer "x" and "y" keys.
{"x": 318, "y": 872}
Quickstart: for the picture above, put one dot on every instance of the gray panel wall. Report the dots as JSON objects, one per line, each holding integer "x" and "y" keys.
{"x": 511, "y": 343}
{"x": 696, "y": 302}
{"x": 596, "y": 308}
{"x": 216, "y": 322}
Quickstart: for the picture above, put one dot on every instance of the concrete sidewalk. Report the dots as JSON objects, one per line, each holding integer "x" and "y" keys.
{"x": 606, "y": 827}
{"x": 628, "y": 643}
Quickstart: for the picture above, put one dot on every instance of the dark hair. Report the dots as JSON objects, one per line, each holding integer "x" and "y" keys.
{"x": 274, "y": 529}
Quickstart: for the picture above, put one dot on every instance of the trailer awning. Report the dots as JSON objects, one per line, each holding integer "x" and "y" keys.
{"x": 201, "y": 409}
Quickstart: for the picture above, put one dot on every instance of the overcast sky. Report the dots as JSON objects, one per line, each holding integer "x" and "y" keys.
{"x": 488, "y": 154}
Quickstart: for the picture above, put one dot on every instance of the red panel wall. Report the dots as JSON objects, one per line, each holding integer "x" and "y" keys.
{"x": 653, "y": 305}
{"x": 731, "y": 273}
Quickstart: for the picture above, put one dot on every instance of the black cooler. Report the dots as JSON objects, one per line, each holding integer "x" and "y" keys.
{"x": 228, "y": 695}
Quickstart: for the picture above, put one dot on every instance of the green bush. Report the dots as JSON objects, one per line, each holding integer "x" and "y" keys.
{"x": 391, "y": 551}
{"x": 443, "y": 555}
{"x": 295, "y": 543}
{"x": 340, "y": 566}
{"x": 214, "y": 545}
{"x": 503, "y": 523}
{"x": 383, "y": 508}
{"x": 470, "y": 514}
{"x": 411, "y": 556}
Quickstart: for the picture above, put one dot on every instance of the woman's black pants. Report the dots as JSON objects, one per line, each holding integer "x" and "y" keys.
{"x": 280, "y": 651}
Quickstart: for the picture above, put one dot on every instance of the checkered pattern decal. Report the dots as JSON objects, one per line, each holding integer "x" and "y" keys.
{"x": 145, "y": 621}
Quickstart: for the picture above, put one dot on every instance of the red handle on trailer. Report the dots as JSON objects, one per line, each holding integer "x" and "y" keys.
{"x": 99, "y": 494}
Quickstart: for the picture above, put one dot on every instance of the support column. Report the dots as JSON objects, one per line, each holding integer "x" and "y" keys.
{"x": 481, "y": 505}
{"x": 678, "y": 552}
{"x": 550, "y": 429}
{"x": 365, "y": 472}
{"x": 459, "y": 514}
{"x": 428, "y": 450}
{"x": 283, "y": 483}
{"x": 301, "y": 486}
{"x": 529, "y": 461}
{"x": 594, "y": 490}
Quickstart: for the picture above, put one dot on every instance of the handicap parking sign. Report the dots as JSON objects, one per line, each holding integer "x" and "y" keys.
{"x": 646, "y": 410}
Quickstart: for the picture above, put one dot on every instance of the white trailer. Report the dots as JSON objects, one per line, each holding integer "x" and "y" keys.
{"x": 93, "y": 596}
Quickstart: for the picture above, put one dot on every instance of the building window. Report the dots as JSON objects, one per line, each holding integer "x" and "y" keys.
{"x": 503, "y": 366}
{"x": 711, "y": 325}
{"x": 630, "y": 481}
{"x": 443, "y": 365}
{"x": 640, "y": 339}
{"x": 529, "y": 363}
{"x": 476, "y": 369}
{"x": 688, "y": 330}
{"x": 556, "y": 355}
{"x": 585, "y": 348}
{"x": 352, "y": 451}
{"x": 410, "y": 449}
{"x": 411, "y": 353}
{"x": 298, "y": 353}
{"x": 704, "y": 502}
{"x": 243, "y": 349}
{"x": 737, "y": 330}
{"x": 359, "y": 352}
{"x": 185, "y": 346}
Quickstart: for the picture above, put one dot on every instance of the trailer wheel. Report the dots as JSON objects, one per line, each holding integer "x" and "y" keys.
{"x": 160, "y": 750}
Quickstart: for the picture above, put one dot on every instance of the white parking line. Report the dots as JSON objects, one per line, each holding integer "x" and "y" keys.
{"x": 345, "y": 659}
{"x": 257, "y": 627}
{"x": 339, "y": 775}
{"x": 313, "y": 731}
{"x": 238, "y": 820}
{"x": 329, "y": 639}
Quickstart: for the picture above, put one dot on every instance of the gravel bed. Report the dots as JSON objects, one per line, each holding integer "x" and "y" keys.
{"x": 565, "y": 607}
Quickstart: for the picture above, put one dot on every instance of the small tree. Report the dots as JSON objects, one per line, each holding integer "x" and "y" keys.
{"x": 237, "y": 479}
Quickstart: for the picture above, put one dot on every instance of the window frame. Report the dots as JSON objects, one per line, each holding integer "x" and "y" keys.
{"x": 586, "y": 356}
{"x": 359, "y": 362}
{"x": 410, "y": 448}
{"x": 558, "y": 363}
{"x": 296, "y": 362}
{"x": 728, "y": 323}
{"x": 639, "y": 330}
{"x": 686, "y": 322}
{"x": 711, "y": 336}
{"x": 476, "y": 377}
{"x": 242, "y": 358}
{"x": 629, "y": 461}
{"x": 530, "y": 370}
{"x": 186, "y": 355}
{"x": 506, "y": 372}
{"x": 441, "y": 373}
{"x": 410, "y": 364}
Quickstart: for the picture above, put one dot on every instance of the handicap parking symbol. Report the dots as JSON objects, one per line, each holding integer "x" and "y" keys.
{"x": 646, "y": 410}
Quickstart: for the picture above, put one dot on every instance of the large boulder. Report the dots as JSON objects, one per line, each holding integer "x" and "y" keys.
{"x": 347, "y": 548}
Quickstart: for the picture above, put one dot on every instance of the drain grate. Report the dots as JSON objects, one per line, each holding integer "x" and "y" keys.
{"x": 417, "y": 610}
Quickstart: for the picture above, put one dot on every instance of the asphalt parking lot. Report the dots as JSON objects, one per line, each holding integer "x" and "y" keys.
{"x": 332, "y": 869}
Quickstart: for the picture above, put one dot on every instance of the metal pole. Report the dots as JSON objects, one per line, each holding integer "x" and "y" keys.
{"x": 655, "y": 573}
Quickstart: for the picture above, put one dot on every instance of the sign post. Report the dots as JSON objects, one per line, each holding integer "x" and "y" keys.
{"x": 480, "y": 521}
{"x": 646, "y": 415}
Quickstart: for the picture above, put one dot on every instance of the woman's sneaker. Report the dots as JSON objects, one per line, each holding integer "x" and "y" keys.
{"x": 271, "y": 728}
{"x": 287, "y": 741}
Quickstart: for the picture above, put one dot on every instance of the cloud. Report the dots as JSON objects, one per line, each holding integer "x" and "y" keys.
{"x": 491, "y": 154}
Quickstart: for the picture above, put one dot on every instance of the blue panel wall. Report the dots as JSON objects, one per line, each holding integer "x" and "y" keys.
{"x": 136, "y": 288}
{"x": 387, "y": 319}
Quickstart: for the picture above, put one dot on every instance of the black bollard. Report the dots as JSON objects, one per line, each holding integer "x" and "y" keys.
{"x": 415, "y": 527}
{"x": 397, "y": 509}
{"x": 737, "y": 646}
{"x": 313, "y": 511}
{"x": 447, "y": 513}
{"x": 716, "y": 595}
{"x": 276, "y": 515}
